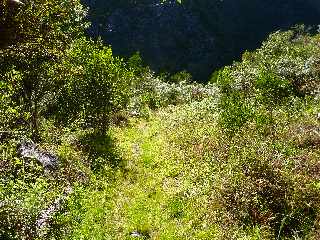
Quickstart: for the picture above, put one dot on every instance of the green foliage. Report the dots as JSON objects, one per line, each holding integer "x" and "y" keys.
{"x": 234, "y": 159}
{"x": 289, "y": 56}
{"x": 258, "y": 96}
{"x": 183, "y": 76}
{"x": 258, "y": 192}
{"x": 236, "y": 112}
{"x": 44, "y": 28}
{"x": 272, "y": 89}
{"x": 185, "y": 178}
{"x": 135, "y": 63}
{"x": 43, "y": 31}
{"x": 284, "y": 68}
{"x": 23, "y": 193}
{"x": 97, "y": 85}
{"x": 154, "y": 92}
{"x": 10, "y": 98}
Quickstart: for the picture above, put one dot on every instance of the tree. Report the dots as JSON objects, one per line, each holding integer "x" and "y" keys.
{"x": 44, "y": 29}
{"x": 96, "y": 85}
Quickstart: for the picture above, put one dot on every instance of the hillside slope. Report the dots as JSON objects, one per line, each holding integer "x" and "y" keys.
{"x": 242, "y": 163}
{"x": 96, "y": 147}
{"x": 197, "y": 36}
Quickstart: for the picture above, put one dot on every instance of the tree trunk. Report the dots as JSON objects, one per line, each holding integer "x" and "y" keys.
{"x": 35, "y": 121}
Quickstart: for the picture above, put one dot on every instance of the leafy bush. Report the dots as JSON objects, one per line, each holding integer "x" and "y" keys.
{"x": 285, "y": 67}
{"x": 42, "y": 33}
{"x": 153, "y": 92}
{"x": 260, "y": 187}
{"x": 286, "y": 56}
{"x": 10, "y": 97}
{"x": 23, "y": 193}
{"x": 183, "y": 76}
{"x": 97, "y": 85}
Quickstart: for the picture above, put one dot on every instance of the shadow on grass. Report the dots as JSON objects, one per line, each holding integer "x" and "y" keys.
{"x": 102, "y": 152}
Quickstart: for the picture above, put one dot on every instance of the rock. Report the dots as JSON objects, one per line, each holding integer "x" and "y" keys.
{"x": 45, "y": 216}
{"x": 29, "y": 149}
{"x": 136, "y": 150}
{"x": 136, "y": 234}
{"x": 134, "y": 113}
{"x": 17, "y": 1}
{"x": 142, "y": 235}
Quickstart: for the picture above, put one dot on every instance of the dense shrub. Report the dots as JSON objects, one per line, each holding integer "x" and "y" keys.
{"x": 43, "y": 30}
{"x": 154, "y": 92}
{"x": 11, "y": 102}
{"x": 269, "y": 90}
{"x": 260, "y": 186}
{"x": 287, "y": 56}
{"x": 285, "y": 67}
{"x": 96, "y": 85}
{"x": 23, "y": 193}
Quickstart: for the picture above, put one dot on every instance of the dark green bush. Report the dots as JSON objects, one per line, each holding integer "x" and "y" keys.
{"x": 236, "y": 111}
{"x": 271, "y": 89}
{"x": 11, "y": 108}
{"x": 96, "y": 86}
{"x": 183, "y": 76}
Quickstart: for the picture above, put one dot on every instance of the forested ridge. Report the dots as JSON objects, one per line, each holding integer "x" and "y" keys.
{"x": 97, "y": 142}
{"x": 194, "y": 35}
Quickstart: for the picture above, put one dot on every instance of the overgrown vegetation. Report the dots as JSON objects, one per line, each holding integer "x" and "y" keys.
{"x": 153, "y": 157}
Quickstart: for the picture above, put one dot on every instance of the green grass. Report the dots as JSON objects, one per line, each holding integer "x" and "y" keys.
{"x": 183, "y": 178}
{"x": 148, "y": 195}
{"x": 179, "y": 175}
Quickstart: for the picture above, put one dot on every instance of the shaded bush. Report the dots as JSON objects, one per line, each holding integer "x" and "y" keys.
{"x": 101, "y": 151}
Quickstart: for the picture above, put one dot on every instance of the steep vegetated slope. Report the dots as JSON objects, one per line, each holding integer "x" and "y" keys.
{"x": 240, "y": 164}
{"x": 197, "y": 36}
{"x": 95, "y": 147}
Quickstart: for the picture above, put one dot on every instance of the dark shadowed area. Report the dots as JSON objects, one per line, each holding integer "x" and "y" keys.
{"x": 196, "y": 35}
